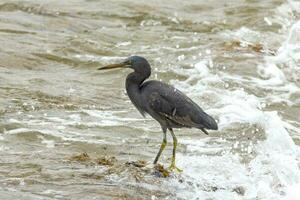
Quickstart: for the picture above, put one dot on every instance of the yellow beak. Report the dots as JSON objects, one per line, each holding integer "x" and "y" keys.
{"x": 112, "y": 66}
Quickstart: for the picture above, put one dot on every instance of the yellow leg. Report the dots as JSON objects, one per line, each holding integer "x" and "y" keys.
{"x": 173, "y": 165}
{"x": 162, "y": 146}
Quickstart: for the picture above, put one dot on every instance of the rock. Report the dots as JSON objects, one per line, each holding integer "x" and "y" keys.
{"x": 240, "y": 190}
{"x": 83, "y": 157}
{"x": 161, "y": 171}
{"x": 106, "y": 161}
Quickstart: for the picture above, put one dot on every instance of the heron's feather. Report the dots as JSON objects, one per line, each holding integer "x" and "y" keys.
{"x": 176, "y": 107}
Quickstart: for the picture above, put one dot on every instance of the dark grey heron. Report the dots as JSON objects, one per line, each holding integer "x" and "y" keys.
{"x": 166, "y": 104}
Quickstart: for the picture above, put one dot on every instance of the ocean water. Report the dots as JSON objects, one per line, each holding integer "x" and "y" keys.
{"x": 239, "y": 60}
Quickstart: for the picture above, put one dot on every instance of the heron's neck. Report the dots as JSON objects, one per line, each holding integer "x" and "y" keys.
{"x": 135, "y": 78}
{"x": 134, "y": 81}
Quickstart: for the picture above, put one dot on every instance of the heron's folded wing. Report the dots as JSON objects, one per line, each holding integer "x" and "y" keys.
{"x": 171, "y": 108}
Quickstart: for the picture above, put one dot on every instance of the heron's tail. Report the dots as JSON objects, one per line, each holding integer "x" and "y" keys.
{"x": 208, "y": 122}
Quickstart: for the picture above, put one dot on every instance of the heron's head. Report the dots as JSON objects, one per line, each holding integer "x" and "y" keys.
{"x": 137, "y": 63}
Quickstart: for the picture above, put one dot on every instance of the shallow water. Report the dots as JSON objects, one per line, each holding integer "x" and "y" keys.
{"x": 238, "y": 60}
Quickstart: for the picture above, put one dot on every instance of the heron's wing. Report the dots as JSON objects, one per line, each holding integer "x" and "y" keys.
{"x": 178, "y": 108}
{"x": 174, "y": 108}
{"x": 173, "y": 105}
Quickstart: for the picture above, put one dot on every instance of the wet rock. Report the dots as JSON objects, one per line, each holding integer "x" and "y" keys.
{"x": 83, "y": 157}
{"x": 106, "y": 161}
{"x": 160, "y": 171}
{"x": 239, "y": 190}
{"x": 257, "y": 47}
{"x": 139, "y": 163}
{"x": 214, "y": 188}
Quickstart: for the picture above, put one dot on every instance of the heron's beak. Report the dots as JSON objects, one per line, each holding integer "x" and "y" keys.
{"x": 112, "y": 66}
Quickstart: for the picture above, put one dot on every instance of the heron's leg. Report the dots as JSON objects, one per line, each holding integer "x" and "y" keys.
{"x": 173, "y": 165}
{"x": 163, "y": 145}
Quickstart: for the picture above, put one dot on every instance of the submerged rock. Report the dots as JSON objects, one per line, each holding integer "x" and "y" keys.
{"x": 240, "y": 190}
{"x": 160, "y": 171}
{"x": 83, "y": 157}
{"x": 106, "y": 161}
{"x": 139, "y": 163}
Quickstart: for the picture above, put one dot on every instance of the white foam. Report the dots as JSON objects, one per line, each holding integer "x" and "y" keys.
{"x": 293, "y": 192}
{"x": 274, "y": 172}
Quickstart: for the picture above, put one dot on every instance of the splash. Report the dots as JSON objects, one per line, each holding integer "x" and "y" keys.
{"x": 212, "y": 169}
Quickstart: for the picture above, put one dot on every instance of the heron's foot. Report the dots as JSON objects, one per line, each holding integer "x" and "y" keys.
{"x": 174, "y": 168}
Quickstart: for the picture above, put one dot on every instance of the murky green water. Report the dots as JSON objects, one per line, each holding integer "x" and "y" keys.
{"x": 238, "y": 60}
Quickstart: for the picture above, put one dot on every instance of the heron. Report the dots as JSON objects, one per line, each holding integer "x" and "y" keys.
{"x": 167, "y": 105}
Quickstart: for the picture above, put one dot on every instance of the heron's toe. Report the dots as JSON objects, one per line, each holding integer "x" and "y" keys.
{"x": 174, "y": 168}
